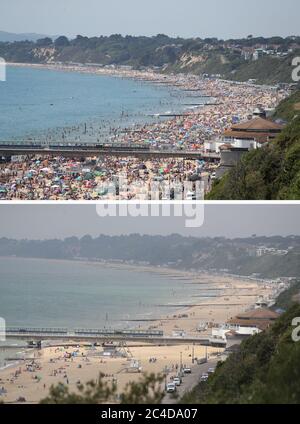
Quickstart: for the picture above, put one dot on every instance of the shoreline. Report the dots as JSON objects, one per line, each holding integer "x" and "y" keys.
{"x": 146, "y": 76}
{"x": 148, "y": 268}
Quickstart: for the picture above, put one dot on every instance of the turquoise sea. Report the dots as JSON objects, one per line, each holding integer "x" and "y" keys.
{"x": 42, "y": 104}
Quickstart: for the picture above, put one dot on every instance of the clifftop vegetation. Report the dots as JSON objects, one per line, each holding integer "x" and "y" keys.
{"x": 237, "y": 256}
{"x": 272, "y": 172}
{"x": 232, "y": 59}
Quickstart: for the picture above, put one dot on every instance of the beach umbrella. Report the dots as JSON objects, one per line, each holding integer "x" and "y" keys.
{"x": 88, "y": 176}
{"x": 194, "y": 178}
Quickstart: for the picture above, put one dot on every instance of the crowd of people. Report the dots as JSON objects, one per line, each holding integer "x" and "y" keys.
{"x": 108, "y": 178}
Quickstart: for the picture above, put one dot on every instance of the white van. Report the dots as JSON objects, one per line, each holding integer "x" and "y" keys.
{"x": 171, "y": 388}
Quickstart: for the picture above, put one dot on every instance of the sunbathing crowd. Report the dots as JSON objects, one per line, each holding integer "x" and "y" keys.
{"x": 58, "y": 178}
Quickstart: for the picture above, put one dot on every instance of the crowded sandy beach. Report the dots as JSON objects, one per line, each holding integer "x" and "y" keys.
{"x": 72, "y": 363}
{"x": 217, "y": 104}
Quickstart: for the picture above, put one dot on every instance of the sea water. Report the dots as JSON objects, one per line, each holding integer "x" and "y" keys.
{"x": 61, "y": 106}
{"x": 72, "y": 294}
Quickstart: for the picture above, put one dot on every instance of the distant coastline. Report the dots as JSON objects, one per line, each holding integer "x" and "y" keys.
{"x": 162, "y": 270}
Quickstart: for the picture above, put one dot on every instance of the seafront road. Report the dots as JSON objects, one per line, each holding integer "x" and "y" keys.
{"x": 189, "y": 381}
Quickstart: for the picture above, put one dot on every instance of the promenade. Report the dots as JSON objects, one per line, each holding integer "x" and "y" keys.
{"x": 100, "y": 336}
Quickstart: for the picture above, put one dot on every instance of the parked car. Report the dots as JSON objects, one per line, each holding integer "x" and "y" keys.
{"x": 177, "y": 381}
{"x": 204, "y": 378}
{"x": 211, "y": 370}
{"x": 171, "y": 388}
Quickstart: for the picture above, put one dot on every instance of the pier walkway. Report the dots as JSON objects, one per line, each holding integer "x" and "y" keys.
{"x": 8, "y": 149}
{"x": 99, "y": 336}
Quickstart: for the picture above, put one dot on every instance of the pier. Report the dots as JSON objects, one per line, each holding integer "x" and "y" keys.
{"x": 100, "y": 336}
{"x": 8, "y": 149}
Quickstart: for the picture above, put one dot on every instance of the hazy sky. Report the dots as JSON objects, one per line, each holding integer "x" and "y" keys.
{"x": 54, "y": 221}
{"x": 188, "y": 18}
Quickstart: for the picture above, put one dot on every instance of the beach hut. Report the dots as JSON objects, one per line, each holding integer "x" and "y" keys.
{"x": 135, "y": 366}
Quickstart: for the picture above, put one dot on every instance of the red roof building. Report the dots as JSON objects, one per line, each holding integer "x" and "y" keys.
{"x": 257, "y": 130}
